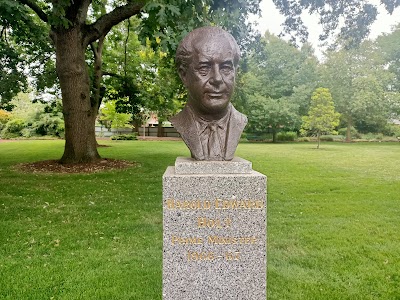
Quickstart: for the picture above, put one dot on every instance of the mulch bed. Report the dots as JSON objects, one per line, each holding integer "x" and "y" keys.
{"x": 54, "y": 166}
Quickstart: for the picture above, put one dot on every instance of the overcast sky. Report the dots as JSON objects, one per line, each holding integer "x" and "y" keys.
{"x": 271, "y": 20}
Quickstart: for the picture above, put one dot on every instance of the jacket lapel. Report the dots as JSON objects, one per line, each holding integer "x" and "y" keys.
{"x": 186, "y": 126}
{"x": 236, "y": 125}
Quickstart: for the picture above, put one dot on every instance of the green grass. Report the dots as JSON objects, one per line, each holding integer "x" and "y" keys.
{"x": 333, "y": 222}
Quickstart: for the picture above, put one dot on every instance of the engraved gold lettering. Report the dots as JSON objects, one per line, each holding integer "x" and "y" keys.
{"x": 225, "y": 204}
{"x": 238, "y": 204}
{"x": 174, "y": 240}
{"x": 221, "y": 240}
{"x": 170, "y": 204}
{"x": 203, "y": 222}
{"x": 232, "y": 255}
{"x": 186, "y": 240}
{"x": 259, "y": 204}
{"x": 217, "y": 202}
{"x": 199, "y": 256}
{"x": 188, "y": 205}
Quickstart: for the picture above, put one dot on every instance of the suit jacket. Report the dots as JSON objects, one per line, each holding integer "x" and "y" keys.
{"x": 186, "y": 126}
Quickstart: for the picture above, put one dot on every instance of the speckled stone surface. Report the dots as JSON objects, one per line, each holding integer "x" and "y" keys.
{"x": 187, "y": 165}
{"x": 214, "y": 240}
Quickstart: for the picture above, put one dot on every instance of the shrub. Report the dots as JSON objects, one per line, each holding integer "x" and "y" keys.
{"x": 5, "y": 116}
{"x": 49, "y": 125}
{"x": 254, "y": 137}
{"x": 327, "y": 138}
{"x": 28, "y": 132}
{"x": 392, "y": 130}
{"x": 125, "y": 137}
{"x": 286, "y": 136}
{"x": 13, "y": 129}
{"x": 303, "y": 139}
{"x": 354, "y": 133}
{"x": 332, "y": 138}
{"x": 373, "y": 136}
{"x": 243, "y": 138}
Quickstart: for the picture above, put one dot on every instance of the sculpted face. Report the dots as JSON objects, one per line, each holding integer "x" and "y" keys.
{"x": 210, "y": 77}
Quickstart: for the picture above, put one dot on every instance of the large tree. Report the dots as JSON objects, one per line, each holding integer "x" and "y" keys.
{"x": 72, "y": 30}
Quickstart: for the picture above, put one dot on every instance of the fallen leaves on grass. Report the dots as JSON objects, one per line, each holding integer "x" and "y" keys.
{"x": 54, "y": 166}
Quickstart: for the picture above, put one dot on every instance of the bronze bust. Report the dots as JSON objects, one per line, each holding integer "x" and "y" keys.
{"x": 207, "y": 60}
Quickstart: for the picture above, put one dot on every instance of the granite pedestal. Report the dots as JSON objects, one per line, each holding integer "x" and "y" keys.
{"x": 214, "y": 240}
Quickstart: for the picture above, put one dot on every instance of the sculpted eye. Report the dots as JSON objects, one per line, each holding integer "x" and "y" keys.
{"x": 204, "y": 70}
{"x": 226, "y": 69}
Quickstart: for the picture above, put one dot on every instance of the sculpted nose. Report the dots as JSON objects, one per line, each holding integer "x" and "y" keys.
{"x": 216, "y": 78}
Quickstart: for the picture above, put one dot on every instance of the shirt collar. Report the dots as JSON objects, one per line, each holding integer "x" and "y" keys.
{"x": 202, "y": 124}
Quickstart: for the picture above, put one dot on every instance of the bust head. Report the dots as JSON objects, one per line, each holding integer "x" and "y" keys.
{"x": 207, "y": 60}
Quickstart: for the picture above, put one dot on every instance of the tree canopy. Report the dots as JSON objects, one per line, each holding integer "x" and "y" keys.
{"x": 359, "y": 81}
{"x": 350, "y": 20}
{"x": 75, "y": 25}
{"x": 321, "y": 118}
{"x": 278, "y": 85}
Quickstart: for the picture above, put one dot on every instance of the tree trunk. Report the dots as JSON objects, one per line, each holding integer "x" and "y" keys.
{"x": 79, "y": 113}
{"x": 160, "y": 128}
{"x": 348, "y": 132}
{"x": 274, "y": 133}
{"x": 318, "y": 139}
{"x": 98, "y": 74}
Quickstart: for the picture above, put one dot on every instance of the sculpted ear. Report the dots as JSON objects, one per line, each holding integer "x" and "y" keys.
{"x": 183, "y": 75}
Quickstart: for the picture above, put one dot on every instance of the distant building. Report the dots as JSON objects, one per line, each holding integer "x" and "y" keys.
{"x": 395, "y": 122}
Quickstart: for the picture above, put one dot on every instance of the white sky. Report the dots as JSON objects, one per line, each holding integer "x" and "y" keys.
{"x": 271, "y": 20}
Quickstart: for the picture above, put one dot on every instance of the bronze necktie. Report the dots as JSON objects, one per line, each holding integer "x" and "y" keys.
{"x": 214, "y": 145}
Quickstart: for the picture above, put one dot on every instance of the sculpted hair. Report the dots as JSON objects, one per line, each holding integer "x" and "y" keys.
{"x": 185, "y": 49}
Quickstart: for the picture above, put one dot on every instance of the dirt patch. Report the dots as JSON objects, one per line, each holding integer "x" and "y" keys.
{"x": 53, "y": 166}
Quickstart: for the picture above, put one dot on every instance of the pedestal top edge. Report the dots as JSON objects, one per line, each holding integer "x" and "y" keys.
{"x": 187, "y": 165}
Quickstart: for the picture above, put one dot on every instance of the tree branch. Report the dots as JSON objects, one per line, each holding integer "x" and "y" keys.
{"x": 104, "y": 24}
{"x": 112, "y": 74}
{"x": 33, "y": 5}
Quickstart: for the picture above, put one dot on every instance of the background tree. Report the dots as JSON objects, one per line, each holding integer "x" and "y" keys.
{"x": 113, "y": 119}
{"x": 122, "y": 68}
{"x": 267, "y": 115}
{"x": 358, "y": 81}
{"x": 72, "y": 30}
{"x": 25, "y": 52}
{"x": 322, "y": 118}
{"x": 141, "y": 77}
{"x": 278, "y": 86}
{"x": 389, "y": 47}
{"x": 30, "y": 118}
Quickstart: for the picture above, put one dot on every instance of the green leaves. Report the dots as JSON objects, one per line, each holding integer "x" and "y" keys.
{"x": 322, "y": 117}
{"x": 24, "y": 49}
{"x": 352, "y": 18}
{"x": 278, "y": 84}
{"x": 171, "y": 20}
{"x": 360, "y": 82}
{"x": 111, "y": 118}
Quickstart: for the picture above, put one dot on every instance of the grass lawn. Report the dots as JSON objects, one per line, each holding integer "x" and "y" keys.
{"x": 333, "y": 222}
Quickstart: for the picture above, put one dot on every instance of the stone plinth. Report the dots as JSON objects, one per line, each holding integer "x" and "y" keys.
{"x": 214, "y": 242}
